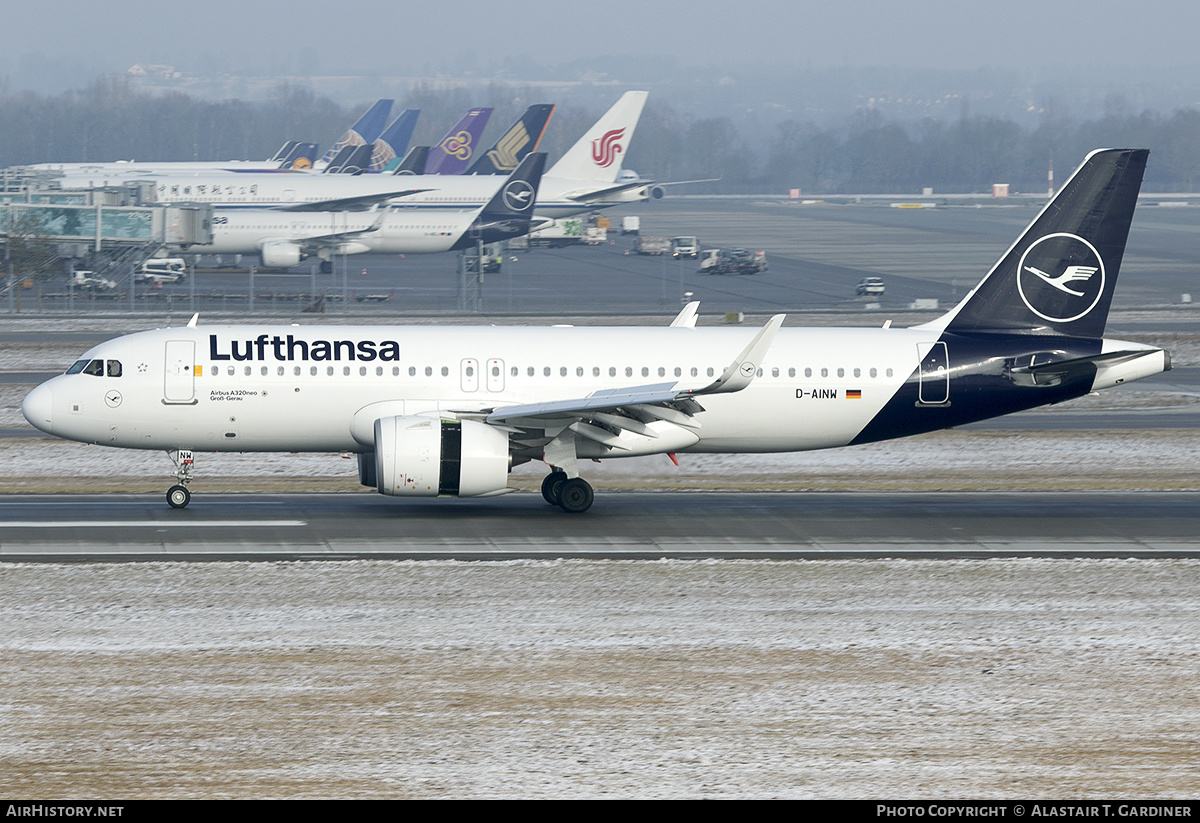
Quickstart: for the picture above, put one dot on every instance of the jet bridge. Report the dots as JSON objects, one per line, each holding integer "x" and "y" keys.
{"x": 97, "y": 227}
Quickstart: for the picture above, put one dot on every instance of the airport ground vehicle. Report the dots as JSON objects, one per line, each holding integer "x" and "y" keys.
{"x": 162, "y": 270}
{"x": 645, "y": 244}
{"x": 733, "y": 261}
{"x": 565, "y": 232}
{"x": 870, "y": 286}
{"x": 686, "y": 246}
{"x": 90, "y": 281}
{"x": 631, "y": 224}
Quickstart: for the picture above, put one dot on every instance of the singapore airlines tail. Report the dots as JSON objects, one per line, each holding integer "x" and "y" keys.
{"x": 512, "y": 147}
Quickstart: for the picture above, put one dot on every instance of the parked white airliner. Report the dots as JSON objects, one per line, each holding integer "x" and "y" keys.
{"x": 584, "y": 178}
{"x": 448, "y": 411}
{"x": 283, "y": 239}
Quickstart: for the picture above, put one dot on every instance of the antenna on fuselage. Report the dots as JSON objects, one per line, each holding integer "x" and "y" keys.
{"x": 192, "y": 323}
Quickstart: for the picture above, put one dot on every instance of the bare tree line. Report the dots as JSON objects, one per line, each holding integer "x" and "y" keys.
{"x": 112, "y": 120}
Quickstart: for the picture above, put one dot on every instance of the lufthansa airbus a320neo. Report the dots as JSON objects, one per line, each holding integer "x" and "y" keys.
{"x": 449, "y": 411}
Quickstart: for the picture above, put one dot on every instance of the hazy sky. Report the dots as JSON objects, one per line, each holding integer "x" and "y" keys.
{"x": 385, "y": 36}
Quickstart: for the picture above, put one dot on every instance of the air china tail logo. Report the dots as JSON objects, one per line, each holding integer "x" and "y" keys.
{"x": 606, "y": 148}
{"x": 457, "y": 145}
{"x": 1061, "y": 277}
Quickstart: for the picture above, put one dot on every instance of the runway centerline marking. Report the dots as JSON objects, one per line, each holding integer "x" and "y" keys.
{"x": 142, "y": 524}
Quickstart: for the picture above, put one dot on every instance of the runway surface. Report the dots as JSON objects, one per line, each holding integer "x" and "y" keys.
{"x": 620, "y": 526}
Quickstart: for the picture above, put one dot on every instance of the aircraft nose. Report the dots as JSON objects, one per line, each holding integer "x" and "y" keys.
{"x": 38, "y": 408}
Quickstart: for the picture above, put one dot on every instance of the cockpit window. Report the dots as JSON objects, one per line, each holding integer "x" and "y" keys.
{"x": 95, "y": 367}
{"x": 114, "y": 368}
{"x": 77, "y": 366}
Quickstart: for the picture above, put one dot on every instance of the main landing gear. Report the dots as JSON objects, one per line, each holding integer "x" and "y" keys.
{"x": 572, "y": 495}
{"x": 178, "y": 495}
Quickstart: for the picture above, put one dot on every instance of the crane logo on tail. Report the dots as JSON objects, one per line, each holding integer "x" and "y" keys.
{"x": 1061, "y": 277}
{"x": 518, "y": 195}
{"x": 606, "y": 148}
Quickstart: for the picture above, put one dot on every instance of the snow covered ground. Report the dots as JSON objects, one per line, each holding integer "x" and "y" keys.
{"x": 719, "y": 679}
{"x": 950, "y": 679}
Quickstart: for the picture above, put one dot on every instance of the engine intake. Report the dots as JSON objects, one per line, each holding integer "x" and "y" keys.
{"x": 280, "y": 254}
{"x": 424, "y": 457}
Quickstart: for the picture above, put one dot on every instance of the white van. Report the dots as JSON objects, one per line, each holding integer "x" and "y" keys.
{"x": 162, "y": 270}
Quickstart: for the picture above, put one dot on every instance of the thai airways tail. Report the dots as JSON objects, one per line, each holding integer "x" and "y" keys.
{"x": 393, "y": 143}
{"x": 454, "y": 152}
{"x": 1059, "y": 276}
{"x": 365, "y": 131}
{"x": 522, "y": 138}
{"x": 598, "y": 155}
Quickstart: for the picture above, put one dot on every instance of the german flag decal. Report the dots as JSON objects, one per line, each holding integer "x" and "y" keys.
{"x": 854, "y": 394}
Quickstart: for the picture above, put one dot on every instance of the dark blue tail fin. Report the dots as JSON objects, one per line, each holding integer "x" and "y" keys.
{"x": 521, "y": 139}
{"x": 510, "y": 211}
{"x": 350, "y": 160}
{"x": 301, "y": 157}
{"x": 413, "y": 163}
{"x": 1058, "y": 278}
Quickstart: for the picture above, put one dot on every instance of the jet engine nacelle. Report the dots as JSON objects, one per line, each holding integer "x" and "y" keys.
{"x": 280, "y": 254}
{"x": 657, "y": 192}
{"x": 426, "y": 457}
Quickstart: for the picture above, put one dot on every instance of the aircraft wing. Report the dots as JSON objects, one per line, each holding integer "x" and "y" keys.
{"x": 317, "y": 241}
{"x": 598, "y": 194}
{"x": 359, "y": 203}
{"x": 662, "y": 401}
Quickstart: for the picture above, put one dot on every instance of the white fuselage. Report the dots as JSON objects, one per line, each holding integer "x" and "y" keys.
{"x": 228, "y": 191}
{"x": 244, "y": 231}
{"x": 180, "y": 389}
{"x": 320, "y": 388}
